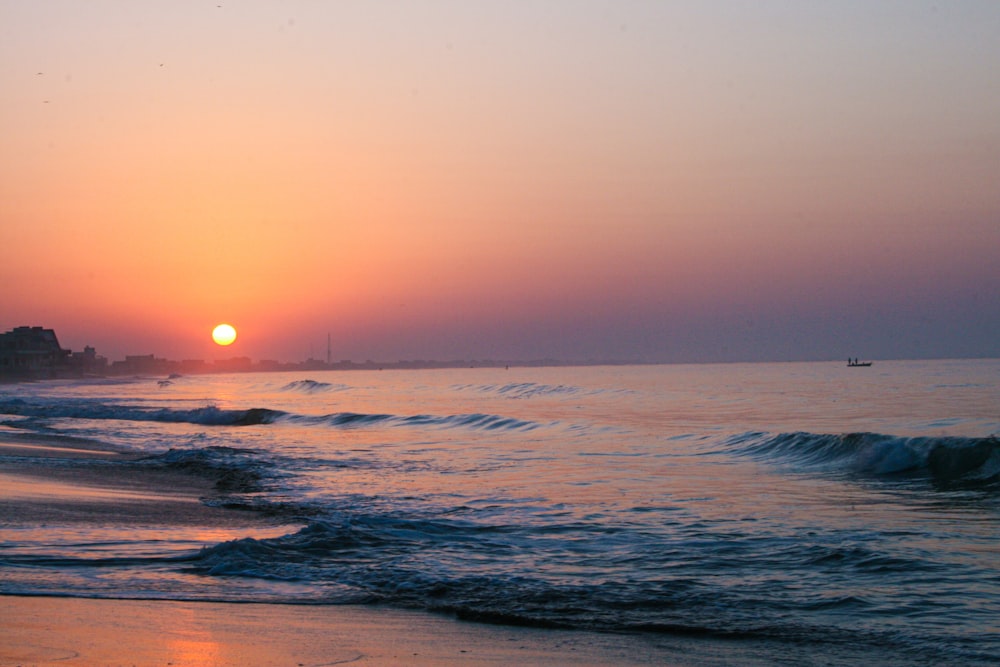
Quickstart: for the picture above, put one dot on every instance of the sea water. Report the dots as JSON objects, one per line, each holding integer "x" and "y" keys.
{"x": 852, "y": 511}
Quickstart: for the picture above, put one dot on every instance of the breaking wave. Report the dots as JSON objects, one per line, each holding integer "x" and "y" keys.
{"x": 430, "y": 564}
{"x": 947, "y": 460}
{"x": 232, "y": 469}
{"x": 313, "y": 387}
{"x": 76, "y": 409}
{"x": 475, "y": 571}
{"x": 214, "y": 416}
{"x": 475, "y": 421}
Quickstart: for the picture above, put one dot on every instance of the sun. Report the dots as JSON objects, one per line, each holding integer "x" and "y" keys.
{"x": 224, "y": 334}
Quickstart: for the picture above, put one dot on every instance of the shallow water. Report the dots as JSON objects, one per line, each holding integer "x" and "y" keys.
{"x": 847, "y": 509}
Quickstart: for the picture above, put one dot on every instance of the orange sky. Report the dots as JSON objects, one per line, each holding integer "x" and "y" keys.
{"x": 640, "y": 180}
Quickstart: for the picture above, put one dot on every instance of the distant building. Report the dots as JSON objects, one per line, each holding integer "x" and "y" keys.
{"x": 192, "y": 366}
{"x": 233, "y": 365}
{"x": 142, "y": 364}
{"x": 32, "y": 352}
{"x": 269, "y": 365}
{"x": 88, "y": 362}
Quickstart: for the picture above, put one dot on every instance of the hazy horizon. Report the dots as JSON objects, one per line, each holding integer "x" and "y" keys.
{"x": 649, "y": 181}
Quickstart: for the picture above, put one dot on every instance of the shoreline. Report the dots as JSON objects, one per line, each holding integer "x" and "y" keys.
{"x": 52, "y": 484}
{"x": 92, "y": 484}
{"x": 84, "y": 631}
{"x": 74, "y": 481}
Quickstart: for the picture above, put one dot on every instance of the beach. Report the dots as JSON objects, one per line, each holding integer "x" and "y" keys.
{"x": 74, "y": 631}
{"x": 80, "y": 631}
{"x": 771, "y": 514}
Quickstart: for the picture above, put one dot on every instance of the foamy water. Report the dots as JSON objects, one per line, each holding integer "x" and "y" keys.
{"x": 847, "y": 509}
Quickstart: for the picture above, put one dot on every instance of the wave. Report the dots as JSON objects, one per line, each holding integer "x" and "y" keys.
{"x": 947, "y": 460}
{"x": 526, "y": 390}
{"x": 433, "y": 564}
{"x": 475, "y": 421}
{"x": 520, "y": 389}
{"x": 214, "y": 416}
{"x": 83, "y": 409}
{"x": 313, "y": 386}
{"x": 233, "y": 470}
{"x": 492, "y": 574}
{"x": 556, "y": 576}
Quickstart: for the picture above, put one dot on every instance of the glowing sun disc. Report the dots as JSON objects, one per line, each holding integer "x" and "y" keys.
{"x": 224, "y": 334}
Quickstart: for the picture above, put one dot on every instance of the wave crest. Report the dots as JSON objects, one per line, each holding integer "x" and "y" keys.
{"x": 208, "y": 415}
{"x": 313, "y": 386}
{"x": 520, "y": 389}
{"x": 948, "y": 460}
{"x": 233, "y": 470}
{"x": 475, "y": 421}
{"x": 214, "y": 416}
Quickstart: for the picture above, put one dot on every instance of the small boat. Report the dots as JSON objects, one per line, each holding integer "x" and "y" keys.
{"x": 854, "y": 363}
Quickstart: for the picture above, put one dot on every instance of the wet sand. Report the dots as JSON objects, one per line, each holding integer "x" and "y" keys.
{"x": 71, "y": 631}
{"x": 77, "y": 631}
{"x": 98, "y": 485}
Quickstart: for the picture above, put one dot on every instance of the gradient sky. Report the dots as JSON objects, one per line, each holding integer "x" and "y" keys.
{"x": 660, "y": 181}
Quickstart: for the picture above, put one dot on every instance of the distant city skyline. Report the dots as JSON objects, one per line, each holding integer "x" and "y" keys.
{"x": 35, "y": 353}
{"x": 89, "y": 361}
{"x": 656, "y": 181}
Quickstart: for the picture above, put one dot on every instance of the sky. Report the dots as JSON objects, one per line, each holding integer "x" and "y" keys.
{"x": 653, "y": 181}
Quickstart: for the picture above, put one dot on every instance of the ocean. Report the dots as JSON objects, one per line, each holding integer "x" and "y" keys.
{"x": 810, "y": 508}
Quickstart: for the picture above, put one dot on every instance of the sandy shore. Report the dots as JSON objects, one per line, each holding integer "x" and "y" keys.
{"x": 69, "y": 631}
{"x": 34, "y": 493}
{"x": 101, "y": 483}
